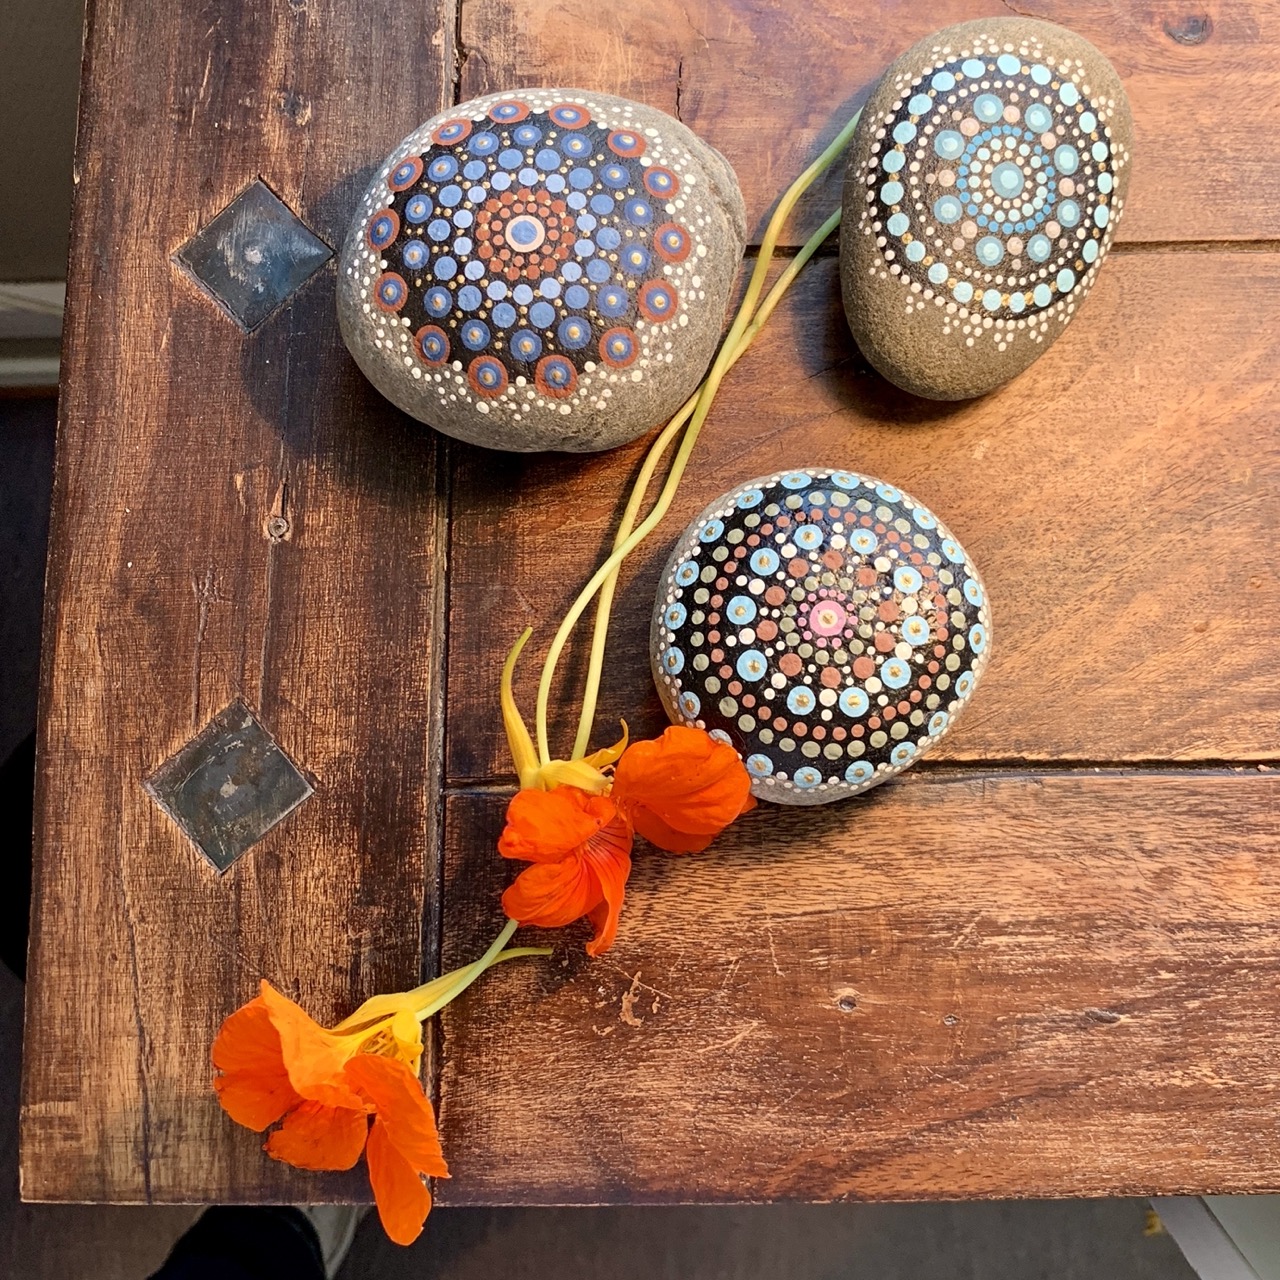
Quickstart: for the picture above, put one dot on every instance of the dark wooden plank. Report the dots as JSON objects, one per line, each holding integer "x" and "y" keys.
{"x": 769, "y": 83}
{"x": 233, "y": 516}
{"x": 962, "y": 985}
{"x": 1120, "y": 498}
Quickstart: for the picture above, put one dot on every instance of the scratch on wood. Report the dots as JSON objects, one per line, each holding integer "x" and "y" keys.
{"x": 773, "y": 953}
{"x": 733, "y": 1041}
{"x": 657, "y": 991}
{"x": 199, "y": 98}
{"x": 1107, "y": 1016}
{"x": 271, "y": 529}
{"x": 204, "y": 592}
{"x": 627, "y": 1013}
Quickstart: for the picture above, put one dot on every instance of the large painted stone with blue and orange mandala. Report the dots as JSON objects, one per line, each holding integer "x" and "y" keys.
{"x": 984, "y": 185}
{"x": 544, "y": 269}
{"x": 825, "y": 625}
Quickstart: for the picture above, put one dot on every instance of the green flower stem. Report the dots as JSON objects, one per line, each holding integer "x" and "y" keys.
{"x": 724, "y": 360}
{"x": 604, "y": 604}
{"x": 464, "y": 977}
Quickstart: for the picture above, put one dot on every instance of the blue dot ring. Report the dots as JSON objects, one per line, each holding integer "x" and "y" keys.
{"x": 766, "y": 599}
{"x": 1005, "y": 168}
{"x": 542, "y": 192}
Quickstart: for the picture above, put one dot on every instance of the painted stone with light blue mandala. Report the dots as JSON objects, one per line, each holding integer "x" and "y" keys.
{"x": 985, "y": 182}
{"x": 825, "y": 625}
{"x": 545, "y": 269}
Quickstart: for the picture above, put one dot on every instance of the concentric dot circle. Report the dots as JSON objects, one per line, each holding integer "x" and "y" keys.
{"x": 383, "y": 229}
{"x": 432, "y": 344}
{"x": 618, "y": 348}
{"x": 525, "y": 233}
{"x": 405, "y": 174}
{"x": 391, "y": 292}
{"x": 556, "y": 376}
{"x": 624, "y": 143}
{"x": 487, "y": 375}
{"x": 535, "y": 238}
{"x": 992, "y": 162}
{"x": 1008, "y": 179}
{"x": 823, "y": 623}
{"x": 508, "y": 112}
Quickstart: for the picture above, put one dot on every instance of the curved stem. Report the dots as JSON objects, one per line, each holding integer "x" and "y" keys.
{"x": 607, "y": 587}
{"x": 466, "y": 976}
{"x": 605, "y": 604}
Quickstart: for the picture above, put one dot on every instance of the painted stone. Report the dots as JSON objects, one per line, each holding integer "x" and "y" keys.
{"x": 984, "y": 186}
{"x": 825, "y": 625}
{"x": 547, "y": 269}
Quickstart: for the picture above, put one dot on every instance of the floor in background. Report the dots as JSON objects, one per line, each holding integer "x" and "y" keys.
{"x": 1069, "y": 1240}
{"x": 1036, "y": 1240}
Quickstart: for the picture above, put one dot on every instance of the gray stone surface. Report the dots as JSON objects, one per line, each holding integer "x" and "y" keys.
{"x": 545, "y": 269}
{"x": 984, "y": 186}
{"x": 823, "y": 623}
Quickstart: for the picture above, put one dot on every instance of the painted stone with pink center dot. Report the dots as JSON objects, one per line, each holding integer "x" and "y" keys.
{"x": 985, "y": 182}
{"x": 542, "y": 269}
{"x": 824, "y": 624}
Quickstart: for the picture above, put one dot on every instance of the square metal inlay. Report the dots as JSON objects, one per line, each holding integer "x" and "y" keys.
{"x": 229, "y": 785}
{"x": 254, "y": 255}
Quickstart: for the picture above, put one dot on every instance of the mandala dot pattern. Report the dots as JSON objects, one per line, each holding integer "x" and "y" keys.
{"x": 547, "y": 269}
{"x": 824, "y": 624}
{"x": 982, "y": 196}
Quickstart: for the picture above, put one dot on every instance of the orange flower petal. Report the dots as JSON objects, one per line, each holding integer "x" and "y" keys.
{"x": 553, "y": 894}
{"x": 682, "y": 789}
{"x": 609, "y": 855}
{"x": 313, "y": 1057}
{"x": 402, "y": 1197}
{"x": 314, "y": 1136}
{"x": 402, "y": 1109}
{"x": 253, "y": 1086}
{"x": 546, "y": 826}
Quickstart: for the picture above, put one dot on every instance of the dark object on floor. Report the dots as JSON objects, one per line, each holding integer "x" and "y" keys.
{"x": 17, "y": 785}
{"x": 258, "y": 1242}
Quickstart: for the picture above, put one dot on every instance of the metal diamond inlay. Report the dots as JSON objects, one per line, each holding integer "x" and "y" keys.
{"x": 229, "y": 785}
{"x": 254, "y": 255}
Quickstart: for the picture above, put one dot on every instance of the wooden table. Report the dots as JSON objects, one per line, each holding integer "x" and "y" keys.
{"x": 1046, "y": 962}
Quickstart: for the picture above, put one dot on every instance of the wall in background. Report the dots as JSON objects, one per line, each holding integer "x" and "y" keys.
{"x": 39, "y": 76}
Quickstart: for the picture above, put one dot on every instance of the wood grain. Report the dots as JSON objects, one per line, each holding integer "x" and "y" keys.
{"x": 976, "y": 982}
{"x": 962, "y": 985}
{"x": 172, "y": 590}
{"x": 769, "y": 83}
{"x": 1120, "y": 498}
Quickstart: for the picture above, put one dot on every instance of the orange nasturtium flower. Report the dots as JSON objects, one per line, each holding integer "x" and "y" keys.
{"x": 338, "y": 1091}
{"x": 324, "y": 1086}
{"x": 575, "y": 823}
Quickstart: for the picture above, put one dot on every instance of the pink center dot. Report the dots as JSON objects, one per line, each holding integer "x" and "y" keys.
{"x": 827, "y": 618}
